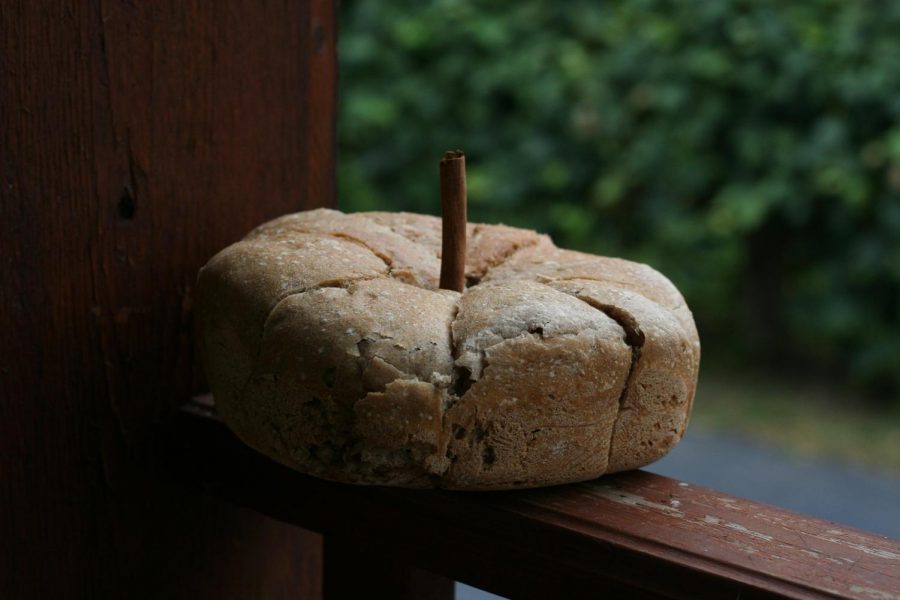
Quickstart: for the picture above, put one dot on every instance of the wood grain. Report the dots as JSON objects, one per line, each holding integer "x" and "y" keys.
{"x": 629, "y": 535}
{"x": 137, "y": 140}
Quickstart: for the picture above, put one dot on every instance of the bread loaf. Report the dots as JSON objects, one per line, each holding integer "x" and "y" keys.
{"x": 329, "y": 348}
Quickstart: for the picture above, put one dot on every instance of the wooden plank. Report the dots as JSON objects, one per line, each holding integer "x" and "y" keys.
{"x": 633, "y": 533}
{"x": 136, "y": 140}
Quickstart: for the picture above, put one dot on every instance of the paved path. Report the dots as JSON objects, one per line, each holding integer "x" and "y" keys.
{"x": 846, "y": 495}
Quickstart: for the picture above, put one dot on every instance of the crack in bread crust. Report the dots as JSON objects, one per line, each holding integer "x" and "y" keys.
{"x": 346, "y": 237}
{"x": 325, "y": 284}
{"x": 394, "y": 228}
{"x": 634, "y": 337}
{"x": 389, "y": 263}
{"x": 656, "y": 404}
{"x": 498, "y": 261}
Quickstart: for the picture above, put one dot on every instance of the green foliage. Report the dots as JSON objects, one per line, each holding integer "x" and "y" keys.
{"x": 749, "y": 150}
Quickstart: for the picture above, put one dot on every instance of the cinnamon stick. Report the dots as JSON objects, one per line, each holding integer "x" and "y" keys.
{"x": 453, "y": 213}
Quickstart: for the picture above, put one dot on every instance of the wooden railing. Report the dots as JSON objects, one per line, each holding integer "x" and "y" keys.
{"x": 634, "y": 534}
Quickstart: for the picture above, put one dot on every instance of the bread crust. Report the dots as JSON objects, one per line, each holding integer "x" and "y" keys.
{"x": 328, "y": 347}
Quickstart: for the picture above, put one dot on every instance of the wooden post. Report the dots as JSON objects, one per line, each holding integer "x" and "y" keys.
{"x": 136, "y": 141}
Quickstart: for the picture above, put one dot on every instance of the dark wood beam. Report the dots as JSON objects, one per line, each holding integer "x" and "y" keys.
{"x": 633, "y": 533}
{"x": 137, "y": 139}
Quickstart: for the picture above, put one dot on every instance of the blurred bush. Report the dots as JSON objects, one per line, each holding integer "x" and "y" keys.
{"x": 749, "y": 150}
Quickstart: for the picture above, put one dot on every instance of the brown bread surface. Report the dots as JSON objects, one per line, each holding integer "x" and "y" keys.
{"x": 329, "y": 348}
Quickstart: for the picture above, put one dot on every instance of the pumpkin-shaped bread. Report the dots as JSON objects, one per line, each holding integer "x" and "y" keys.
{"x": 329, "y": 347}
